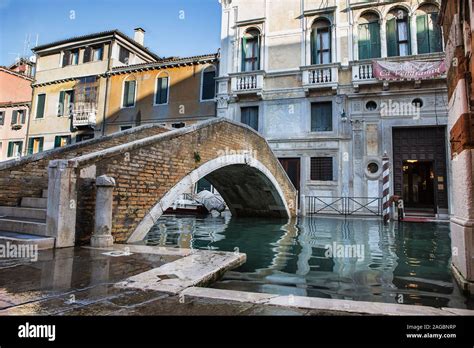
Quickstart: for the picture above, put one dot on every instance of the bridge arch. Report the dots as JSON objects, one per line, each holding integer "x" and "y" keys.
{"x": 246, "y": 185}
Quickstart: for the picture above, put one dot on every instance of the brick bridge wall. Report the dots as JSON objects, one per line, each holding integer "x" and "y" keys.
{"x": 146, "y": 170}
{"x": 28, "y": 176}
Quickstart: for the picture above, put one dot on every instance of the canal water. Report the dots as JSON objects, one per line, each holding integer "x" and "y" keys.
{"x": 355, "y": 259}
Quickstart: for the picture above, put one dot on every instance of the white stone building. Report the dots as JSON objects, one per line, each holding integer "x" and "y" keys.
{"x": 301, "y": 72}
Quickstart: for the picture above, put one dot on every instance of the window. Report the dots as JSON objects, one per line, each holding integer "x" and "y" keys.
{"x": 18, "y": 117}
{"x": 35, "y": 145}
{"x": 249, "y": 116}
{"x": 61, "y": 140}
{"x": 398, "y": 34}
{"x": 124, "y": 55}
{"x": 321, "y": 42}
{"x": 161, "y": 96}
{"x": 14, "y": 148}
{"x": 84, "y": 137}
{"x": 70, "y": 58}
{"x": 251, "y": 50}
{"x": 124, "y": 128}
{"x": 87, "y": 55}
{"x": 369, "y": 36}
{"x": 321, "y": 117}
{"x": 66, "y": 103}
{"x": 129, "y": 94}
{"x": 40, "y": 104}
{"x": 208, "y": 89}
{"x": 371, "y": 105}
{"x": 2, "y": 118}
{"x": 178, "y": 125}
{"x": 322, "y": 168}
{"x": 428, "y": 32}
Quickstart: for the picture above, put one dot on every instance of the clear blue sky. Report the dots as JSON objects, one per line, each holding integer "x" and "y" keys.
{"x": 173, "y": 27}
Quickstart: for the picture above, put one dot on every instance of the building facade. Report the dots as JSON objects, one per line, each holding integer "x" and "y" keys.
{"x": 71, "y": 84}
{"x": 458, "y": 22}
{"x": 334, "y": 85}
{"x": 15, "y": 102}
{"x": 175, "y": 92}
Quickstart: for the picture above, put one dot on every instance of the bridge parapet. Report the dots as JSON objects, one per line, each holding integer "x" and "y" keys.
{"x": 151, "y": 172}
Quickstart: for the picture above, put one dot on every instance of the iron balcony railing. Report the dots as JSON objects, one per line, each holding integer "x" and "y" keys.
{"x": 344, "y": 205}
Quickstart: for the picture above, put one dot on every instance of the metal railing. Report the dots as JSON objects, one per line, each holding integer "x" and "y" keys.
{"x": 344, "y": 205}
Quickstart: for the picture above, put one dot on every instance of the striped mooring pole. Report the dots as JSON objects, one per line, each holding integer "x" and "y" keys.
{"x": 386, "y": 189}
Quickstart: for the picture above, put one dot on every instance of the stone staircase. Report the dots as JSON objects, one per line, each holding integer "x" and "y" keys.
{"x": 26, "y": 224}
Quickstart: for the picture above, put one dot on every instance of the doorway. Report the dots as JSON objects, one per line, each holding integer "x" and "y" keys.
{"x": 418, "y": 185}
{"x": 292, "y": 168}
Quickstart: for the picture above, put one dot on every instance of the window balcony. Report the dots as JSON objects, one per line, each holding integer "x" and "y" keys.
{"x": 247, "y": 82}
{"x": 320, "y": 76}
{"x": 84, "y": 118}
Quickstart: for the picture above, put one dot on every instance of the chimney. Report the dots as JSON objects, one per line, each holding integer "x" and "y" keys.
{"x": 139, "y": 36}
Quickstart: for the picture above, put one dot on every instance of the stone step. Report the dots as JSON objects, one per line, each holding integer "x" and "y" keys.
{"x": 27, "y": 213}
{"x": 44, "y": 193}
{"x": 21, "y": 225}
{"x": 14, "y": 238}
{"x": 31, "y": 202}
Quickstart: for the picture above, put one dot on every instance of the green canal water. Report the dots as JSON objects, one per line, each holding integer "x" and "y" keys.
{"x": 354, "y": 259}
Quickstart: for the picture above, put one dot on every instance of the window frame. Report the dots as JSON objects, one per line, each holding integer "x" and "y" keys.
{"x": 158, "y": 77}
{"x": 210, "y": 68}
{"x": 44, "y": 106}
{"x": 122, "y": 106}
{"x": 311, "y": 117}
{"x": 322, "y": 178}
{"x": 63, "y": 110}
{"x": 257, "y": 107}
{"x": 67, "y": 136}
{"x": 20, "y": 152}
{"x": 257, "y": 48}
{"x": 2, "y": 118}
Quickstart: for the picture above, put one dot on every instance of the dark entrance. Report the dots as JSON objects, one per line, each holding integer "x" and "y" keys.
{"x": 419, "y": 168}
{"x": 292, "y": 168}
{"x": 418, "y": 185}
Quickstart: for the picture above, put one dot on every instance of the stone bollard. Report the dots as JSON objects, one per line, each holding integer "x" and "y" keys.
{"x": 102, "y": 236}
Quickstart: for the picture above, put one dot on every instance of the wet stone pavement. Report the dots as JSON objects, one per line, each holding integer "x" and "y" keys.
{"x": 81, "y": 281}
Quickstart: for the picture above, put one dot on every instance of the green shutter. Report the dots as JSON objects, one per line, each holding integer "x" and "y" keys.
{"x": 23, "y": 117}
{"x": 244, "y": 52}
{"x": 61, "y": 105}
{"x": 409, "y": 34}
{"x": 374, "y": 39}
{"x": 10, "y": 149}
{"x": 14, "y": 117}
{"x": 30, "y": 146}
{"x": 40, "y": 148}
{"x": 435, "y": 34}
{"x": 364, "y": 42}
{"x": 313, "y": 47}
{"x": 392, "y": 49}
{"x": 131, "y": 93}
{"x": 57, "y": 141}
{"x": 258, "y": 52}
{"x": 40, "y": 106}
{"x": 164, "y": 90}
{"x": 20, "y": 147}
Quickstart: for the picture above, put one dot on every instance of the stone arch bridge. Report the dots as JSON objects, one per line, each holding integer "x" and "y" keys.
{"x": 151, "y": 167}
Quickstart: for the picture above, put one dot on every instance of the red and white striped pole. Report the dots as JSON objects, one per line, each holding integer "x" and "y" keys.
{"x": 386, "y": 189}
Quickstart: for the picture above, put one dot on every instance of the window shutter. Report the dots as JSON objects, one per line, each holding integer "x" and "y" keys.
{"x": 131, "y": 93}
{"x": 162, "y": 90}
{"x": 374, "y": 40}
{"x": 409, "y": 34}
{"x": 208, "y": 85}
{"x": 435, "y": 34}
{"x": 258, "y": 52}
{"x": 14, "y": 117}
{"x": 87, "y": 54}
{"x": 30, "y": 146}
{"x": 392, "y": 49}
{"x": 2, "y": 118}
{"x": 40, "y": 106}
{"x": 57, "y": 141}
{"x": 40, "y": 147}
{"x": 313, "y": 46}
{"x": 244, "y": 53}
{"x": 364, "y": 42}
{"x": 23, "y": 116}
{"x": 66, "y": 58}
{"x": 20, "y": 148}
{"x": 61, "y": 105}
{"x": 10, "y": 149}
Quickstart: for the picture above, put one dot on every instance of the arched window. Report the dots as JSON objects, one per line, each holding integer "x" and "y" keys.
{"x": 208, "y": 85}
{"x": 428, "y": 32}
{"x": 251, "y": 50}
{"x": 398, "y": 33}
{"x": 162, "y": 89}
{"x": 321, "y": 42}
{"x": 369, "y": 36}
{"x": 129, "y": 92}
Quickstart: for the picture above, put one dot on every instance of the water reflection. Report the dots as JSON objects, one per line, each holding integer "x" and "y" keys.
{"x": 401, "y": 263}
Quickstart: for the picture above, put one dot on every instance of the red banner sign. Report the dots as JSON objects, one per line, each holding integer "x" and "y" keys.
{"x": 412, "y": 70}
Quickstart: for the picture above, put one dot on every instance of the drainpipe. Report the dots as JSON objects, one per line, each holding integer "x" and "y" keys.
{"x": 107, "y": 81}
{"x": 30, "y": 115}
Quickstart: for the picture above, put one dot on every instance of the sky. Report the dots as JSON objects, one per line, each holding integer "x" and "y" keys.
{"x": 173, "y": 27}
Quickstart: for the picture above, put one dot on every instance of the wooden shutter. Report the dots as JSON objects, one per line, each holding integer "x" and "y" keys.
{"x": 313, "y": 46}
{"x": 2, "y": 118}
{"x": 40, "y": 148}
{"x": 162, "y": 90}
{"x": 14, "y": 117}
{"x": 57, "y": 141}
{"x": 258, "y": 53}
{"x": 422, "y": 36}
{"x": 244, "y": 53}
{"x": 66, "y": 58}
{"x": 392, "y": 48}
{"x": 23, "y": 117}
{"x": 374, "y": 40}
{"x": 129, "y": 93}
{"x": 20, "y": 147}
{"x": 409, "y": 34}
{"x": 208, "y": 85}
{"x": 61, "y": 105}
{"x": 87, "y": 55}
{"x": 364, "y": 42}
{"x": 435, "y": 34}
{"x": 40, "y": 106}
{"x": 10, "y": 149}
